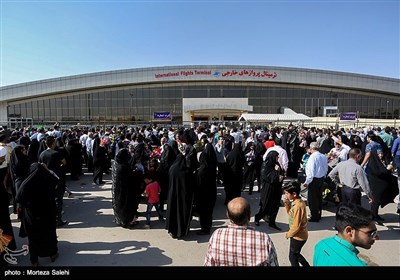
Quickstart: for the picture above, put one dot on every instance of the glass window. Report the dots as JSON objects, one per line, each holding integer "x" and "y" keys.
{"x": 53, "y": 109}
{"x": 45, "y": 104}
{"x": 215, "y": 91}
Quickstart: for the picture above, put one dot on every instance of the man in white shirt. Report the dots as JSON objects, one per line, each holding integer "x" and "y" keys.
{"x": 316, "y": 169}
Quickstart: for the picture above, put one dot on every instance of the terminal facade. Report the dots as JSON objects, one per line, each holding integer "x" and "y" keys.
{"x": 198, "y": 93}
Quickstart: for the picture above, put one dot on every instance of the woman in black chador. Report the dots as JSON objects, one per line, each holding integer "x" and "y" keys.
{"x": 206, "y": 192}
{"x": 36, "y": 197}
{"x": 123, "y": 190}
{"x": 181, "y": 188}
{"x": 382, "y": 182}
{"x": 271, "y": 190}
{"x": 18, "y": 170}
{"x": 233, "y": 177}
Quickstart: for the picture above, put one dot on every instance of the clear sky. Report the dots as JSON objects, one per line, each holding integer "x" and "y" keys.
{"x": 49, "y": 39}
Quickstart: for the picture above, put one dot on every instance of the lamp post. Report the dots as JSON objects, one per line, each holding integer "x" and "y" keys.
{"x": 387, "y": 108}
{"x": 130, "y": 107}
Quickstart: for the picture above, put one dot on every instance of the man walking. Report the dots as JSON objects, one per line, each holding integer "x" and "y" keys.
{"x": 316, "y": 169}
{"x": 351, "y": 178}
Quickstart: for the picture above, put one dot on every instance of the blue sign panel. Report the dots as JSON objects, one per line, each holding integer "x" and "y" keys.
{"x": 349, "y": 116}
{"x": 162, "y": 116}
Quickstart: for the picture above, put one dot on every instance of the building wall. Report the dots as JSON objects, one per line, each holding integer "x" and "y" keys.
{"x": 134, "y": 94}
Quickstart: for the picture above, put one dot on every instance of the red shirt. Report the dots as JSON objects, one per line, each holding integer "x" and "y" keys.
{"x": 152, "y": 190}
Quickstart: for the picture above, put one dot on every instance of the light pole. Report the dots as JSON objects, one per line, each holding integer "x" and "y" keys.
{"x": 387, "y": 108}
{"x": 130, "y": 107}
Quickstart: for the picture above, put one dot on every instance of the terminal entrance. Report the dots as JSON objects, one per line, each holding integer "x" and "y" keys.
{"x": 215, "y": 116}
{"x": 214, "y": 109}
{"x": 230, "y": 118}
{"x": 201, "y": 118}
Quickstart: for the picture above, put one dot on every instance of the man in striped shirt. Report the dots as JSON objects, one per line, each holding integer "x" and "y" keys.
{"x": 239, "y": 244}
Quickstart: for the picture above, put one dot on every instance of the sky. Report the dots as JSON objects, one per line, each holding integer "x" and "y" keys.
{"x": 50, "y": 39}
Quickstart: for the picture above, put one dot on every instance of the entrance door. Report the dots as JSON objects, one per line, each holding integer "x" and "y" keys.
{"x": 201, "y": 118}
{"x": 230, "y": 118}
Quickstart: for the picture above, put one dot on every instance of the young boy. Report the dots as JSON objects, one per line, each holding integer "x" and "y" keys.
{"x": 304, "y": 158}
{"x": 152, "y": 192}
{"x": 298, "y": 233}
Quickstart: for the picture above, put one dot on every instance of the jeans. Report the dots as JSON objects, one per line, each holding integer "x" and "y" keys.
{"x": 148, "y": 211}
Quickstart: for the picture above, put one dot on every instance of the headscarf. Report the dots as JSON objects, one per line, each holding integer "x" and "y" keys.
{"x": 123, "y": 156}
{"x": 271, "y": 160}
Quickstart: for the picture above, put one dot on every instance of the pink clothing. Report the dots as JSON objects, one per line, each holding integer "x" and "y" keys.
{"x": 153, "y": 190}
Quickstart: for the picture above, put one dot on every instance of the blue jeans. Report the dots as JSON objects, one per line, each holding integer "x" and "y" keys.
{"x": 148, "y": 211}
{"x": 397, "y": 163}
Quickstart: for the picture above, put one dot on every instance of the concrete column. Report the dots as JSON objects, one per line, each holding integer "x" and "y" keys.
{"x": 3, "y": 113}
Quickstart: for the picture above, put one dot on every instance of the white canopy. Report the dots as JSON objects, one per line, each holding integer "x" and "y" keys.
{"x": 273, "y": 117}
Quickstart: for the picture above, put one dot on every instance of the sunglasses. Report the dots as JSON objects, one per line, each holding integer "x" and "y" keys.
{"x": 372, "y": 234}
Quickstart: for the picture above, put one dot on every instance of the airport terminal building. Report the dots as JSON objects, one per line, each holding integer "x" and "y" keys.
{"x": 197, "y": 93}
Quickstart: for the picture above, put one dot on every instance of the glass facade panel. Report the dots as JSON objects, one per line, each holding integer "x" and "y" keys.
{"x": 140, "y": 101}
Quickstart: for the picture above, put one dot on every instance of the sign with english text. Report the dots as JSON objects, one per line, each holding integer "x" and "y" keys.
{"x": 348, "y": 116}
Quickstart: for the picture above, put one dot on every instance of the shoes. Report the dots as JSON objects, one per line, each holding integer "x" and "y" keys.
{"x": 257, "y": 223}
{"x": 311, "y": 220}
{"x": 146, "y": 227}
{"x": 203, "y": 232}
{"x": 61, "y": 223}
{"x": 275, "y": 227}
{"x": 54, "y": 257}
{"x": 101, "y": 183}
{"x": 133, "y": 223}
{"x": 161, "y": 219}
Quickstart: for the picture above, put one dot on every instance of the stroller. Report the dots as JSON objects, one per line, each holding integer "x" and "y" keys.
{"x": 331, "y": 192}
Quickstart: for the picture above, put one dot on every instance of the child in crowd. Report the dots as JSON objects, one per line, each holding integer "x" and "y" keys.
{"x": 152, "y": 192}
{"x": 305, "y": 158}
{"x": 298, "y": 233}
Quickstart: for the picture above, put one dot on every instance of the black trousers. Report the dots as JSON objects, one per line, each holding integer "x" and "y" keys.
{"x": 350, "y": 195}
{"x": 314, "y": 198}
{"x": 295, "y": 257}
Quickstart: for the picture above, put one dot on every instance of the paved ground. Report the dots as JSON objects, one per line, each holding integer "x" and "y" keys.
{"x": 91, "y": 239}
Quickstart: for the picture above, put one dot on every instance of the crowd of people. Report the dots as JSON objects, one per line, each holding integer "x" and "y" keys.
{"x": 177, "y": 170}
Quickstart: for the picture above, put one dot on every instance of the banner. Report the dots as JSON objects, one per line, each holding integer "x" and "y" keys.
{"x": 349, "y": 116}
{"x": 162, "y": 116}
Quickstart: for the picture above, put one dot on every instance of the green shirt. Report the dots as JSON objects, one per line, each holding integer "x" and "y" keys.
{"x": 335, "y": 251}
